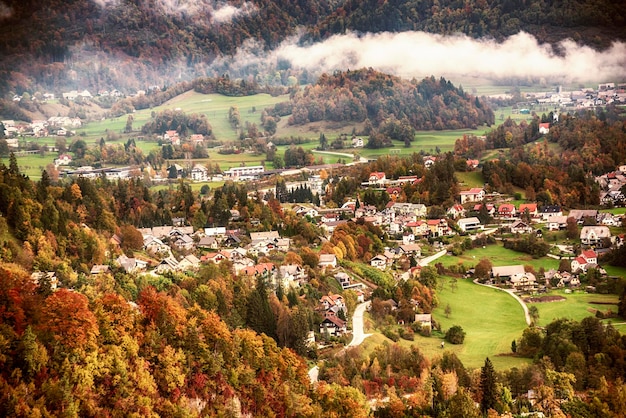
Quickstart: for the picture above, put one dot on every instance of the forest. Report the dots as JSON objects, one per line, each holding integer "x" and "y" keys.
{"x": 590, "y": 144}
{"x": 215, "y": 343}
{"x": 389, "y": 104}
{"x": 143, "y": 43}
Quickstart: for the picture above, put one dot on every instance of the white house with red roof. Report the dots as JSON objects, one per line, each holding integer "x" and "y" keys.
{"x": 475, "y": 194}
{"x": 530, "y": 207}
{"x": 544, "y": 128}
{"x": 506, "y": 210}
{"x": 377, "y": 178}
{"x": 456, "y": 211}
{"x": 585, "y": 260}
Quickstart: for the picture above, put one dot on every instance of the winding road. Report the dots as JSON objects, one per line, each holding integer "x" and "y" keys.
{"x": 358, "y": 335}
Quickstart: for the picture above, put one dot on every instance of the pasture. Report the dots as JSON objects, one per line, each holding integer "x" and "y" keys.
{"x": 499, "y": 256}
{"x": 576, "y": 306}
{"x": 490, "y": 326}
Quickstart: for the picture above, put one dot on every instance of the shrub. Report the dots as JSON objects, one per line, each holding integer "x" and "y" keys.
{"x": 407, "y": 334}
{"x": 455, "y": 335}
{"x": 391, "y": 334}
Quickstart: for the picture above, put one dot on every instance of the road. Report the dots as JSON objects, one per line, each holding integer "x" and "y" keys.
{"x": 358, "y": 335}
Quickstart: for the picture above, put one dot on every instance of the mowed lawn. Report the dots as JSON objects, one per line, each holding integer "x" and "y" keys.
{"x": 576, "y": 306}
{"x": 499, "y": 256}
{"x": 492, "y": 319}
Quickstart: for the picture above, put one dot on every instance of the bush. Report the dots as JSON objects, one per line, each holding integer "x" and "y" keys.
{"x": 391, "y": 334}
{"x": 455, "y": 335}
{"x": 407, "y": 334}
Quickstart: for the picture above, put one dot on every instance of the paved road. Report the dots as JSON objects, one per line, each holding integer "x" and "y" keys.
{"x": 358, "y": 335}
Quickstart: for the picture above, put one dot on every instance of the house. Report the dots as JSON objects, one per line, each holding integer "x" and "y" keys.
{"x": 99, "y": 269}
{"x": 379, "y": 261}
{"x": 550, "y": 210}
{"x": 412, "y": 250}
{"x": 40, "y": 277}
{"x": 199, "y": 173}
{"x": 357, "y": 142}
{"x": 491, "y": 209}
{"x": 408, "y": 238}
{"x": 418, "y": 228}
{"x": 521, "y": 227}
{"x": 328, "y": 260}
{"x": 264, "y": 236}
{"x": 155, "y": 245}
{"x": 593, "y": 235}
{"x": 585, "y": 260}
{"x": 64, "y": 159}
{"x": 581, "y": 214}
{"x": 456, "y": 211}
{"x": 475, "y": 194}
{"x": 506, "y": 272}
{"x": 332, "y": 302}
{"x": 377, "y": 178}
{"x": 343, "y": 278}
{"x": 245, "y": 173}
{"x": 190, "y": 262}
{"x": 208, "y": 242}
{"x": 438, "y": 227}
{"x": 469, "y": 224}
{"x": 167, "y": 264}
{"x": 506, "y": 210}
{"x": 332, "y": 325}
{"x": 530, "y": 207}
{"x": 556, "y": 223}
{"x": 424, "y": 320}
{"x": 214, "y": 257}
{"x": 544, "y": 128}
{"x": 131, "y": 265}
{"x": 523, "y": 281}
{"x": 291, "y": 274}
{"x": 184, "y": 242}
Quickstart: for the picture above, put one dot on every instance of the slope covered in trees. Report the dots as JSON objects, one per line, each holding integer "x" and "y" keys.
{"x": 592, "y": 22}
{"x": 157, "y": 41}
{"x": 394, "y": 105}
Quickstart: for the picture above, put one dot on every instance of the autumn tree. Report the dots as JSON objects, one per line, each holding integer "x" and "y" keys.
{"x": 67, "y": 319}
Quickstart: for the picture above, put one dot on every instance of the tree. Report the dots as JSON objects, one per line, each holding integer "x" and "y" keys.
{"x": 488, "y": 388}
{"x": 571, "y": 228}
{"x": 533, "y": 312}
{"x": 129, "y": 124}
{"x": 448, "y": 310}
{"x": 483, "y": 269}
{"x": 455, "y": 335}
{"x": 68, "y": 320}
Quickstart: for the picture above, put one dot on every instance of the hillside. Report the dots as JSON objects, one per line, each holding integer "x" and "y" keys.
{"x": 129, "y": 45}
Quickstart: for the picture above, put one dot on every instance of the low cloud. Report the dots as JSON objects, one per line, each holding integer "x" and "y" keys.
{"x": 5, "y": 11}
{"x": 420, "y": 54}
{"x": 226, "y": 13}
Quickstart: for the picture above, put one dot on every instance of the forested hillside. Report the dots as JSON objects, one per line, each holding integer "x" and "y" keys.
{"x": 128, "y": 45}
{"x": 592, "y": 22}
{"x": 395, "y": 106}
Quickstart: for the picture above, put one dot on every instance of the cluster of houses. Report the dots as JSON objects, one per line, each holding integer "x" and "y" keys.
{"x": 611, "y": 185}
{"x": 54, "y": 125}
{"x": 606, "y": 93}
{"x": 524, "y": 281}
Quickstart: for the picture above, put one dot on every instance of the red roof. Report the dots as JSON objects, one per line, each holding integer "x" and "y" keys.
{"x": 587, "y": 254}
{"x": 378, "y": 174}
{"x": 532, "y": 207}
{"x": 544, "y": 125}
{"x": 506, "y": 207}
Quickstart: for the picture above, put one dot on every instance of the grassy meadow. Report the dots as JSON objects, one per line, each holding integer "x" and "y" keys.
{"x": 499, "y": 256}
{"x": 576, "y": 306}
{"x": 490, "y": 326}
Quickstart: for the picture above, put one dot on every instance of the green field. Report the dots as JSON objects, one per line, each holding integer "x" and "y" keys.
{"x": 499, "y": 256}
{"x": 470, "y": 179}
{"x": 578, "y": 305}
{"x": 490, "y": 325}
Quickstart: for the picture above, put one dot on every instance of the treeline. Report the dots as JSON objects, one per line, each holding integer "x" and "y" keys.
{"x": 586, "y": 21}
{"x": 179, "y": 121}
{"x": 379, "y": 100}
{"x": 587, "y": 145}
